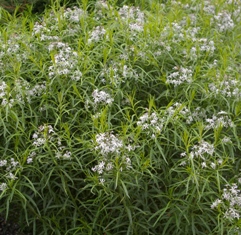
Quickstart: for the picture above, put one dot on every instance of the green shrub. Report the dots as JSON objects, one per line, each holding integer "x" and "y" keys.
{"x": 119, "y": 119}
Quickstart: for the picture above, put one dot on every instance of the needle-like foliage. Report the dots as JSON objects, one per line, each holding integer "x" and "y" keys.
{"x": 122, "y": 118}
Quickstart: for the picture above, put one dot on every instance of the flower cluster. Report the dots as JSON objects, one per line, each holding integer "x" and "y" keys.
{"x": 226, "y": 140}
{"x": 209, "y": 8}
{"x": 151, "y": 123}
{"x": 102, "y": 4}
{"x": 219, "y": 120}
{"x": 102, "y": 97}
{"x": 42, "y": 31}
{"x": 206, "y": 45}
{"x": 131, "y": 13}
{"x": 64, "y": 60}
{"x": 48, "y": 28}
{"x": 110, "y": 148}
{"x": 108, "y": 143}
{"x": 230, "y": 202}
{"x": 74, "y": 15}
{"x": 12, "y": 49}
{"x": 179, "y": 33}
{"x": 103, "y": 10}
{"x": 204, "y": 154}
{"x": 195, "y": 115}
{"x": 42, "y": 135}
{"x": 20, "y": 91}
{"x": 9, "y": 165}
{"x": 227, "y": 88}
{"x": 4, "y": 96}
{"x": 201, "y": 45}
{"x": 117, "y": 74}
{"x": 97, "y": 34}
{"x": 202, "y": 149}
{"x": 36, "y": 90}
{"x": 102, "y": 166}
{"x": 188, "y": 115}
{"x": 134, "y": 17}
{"x": 3, "y": 186}
{"x": 180, "y": 76}
{"x": 76, "y": 75}
{"x": 183, "y": 32}
{"x": 223, "y": 21}
{"x": 45, "y": 135}
{"x": 8, "y": 168}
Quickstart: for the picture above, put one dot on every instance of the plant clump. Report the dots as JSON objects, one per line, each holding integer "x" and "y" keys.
{"x": 121, "y": 118}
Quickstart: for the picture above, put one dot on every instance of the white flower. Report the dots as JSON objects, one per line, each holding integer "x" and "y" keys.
{"x": 39, "y": 142}
{"x": 3, "y": 163}
{"x": 108, "y": 143}
{"x": 102, "y": 181}
{"x": 206, "y": 45}
{"x": 204, "y": 165}
{"x": 35, "y": 136}
{"x": 184, "y": 154}
{"x": 217, "y": 121}
{"x": 133, "y": 17}
{"x": 231, "y": 202}
{"x": 14, "y": 163}
{"x": 67, "y": 155}
{"x": 231, "y": 214}
{"x": 4, "y": 102}
{"x": 179, "y": 77}
{"x": 30, "y": 157}
{"x": 226, "y": 139}
{"x": 203, "y": 148}
{"x": 74, "y": 15}
{"x": 12, "y": 176}
{"x": 128, "y": 163}
{"x": 151, "y": 123}
{"x": 216, "y": 203}
{"x": 3, "y": 86}
{"x": 228, "y": 88}
{"x": 64, "y": 60}
{"x": 76, "y": 76}
{"x": 220, "y": 161}
{"x": 136, "y": 27}
{"x": 3, "y": 186}
{"x": 50, "y": 129}
{"x": 131, "y": 14}
{"x": 223, "y": 21}
{"x": 183, "y": 163}
{"x": 130, "y": 148}
{"x": 109, "y": 166}
{"x": 208, "y": 8}
{"x": 97, "y": 34}
{"x": 213, "y": 165}
{"x": 102, "y": 4}
{"x": 102, "y": 97}
{"x": 29, "y": 160}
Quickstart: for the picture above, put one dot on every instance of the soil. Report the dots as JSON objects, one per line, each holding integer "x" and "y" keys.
{"x": 8, "y": 227}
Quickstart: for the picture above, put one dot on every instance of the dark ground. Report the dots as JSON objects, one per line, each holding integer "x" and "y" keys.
{"x": 8, "y": 227}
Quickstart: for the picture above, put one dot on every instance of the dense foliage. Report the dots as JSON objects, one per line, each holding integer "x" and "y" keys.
{"x": 37, "y": 6}
{"x": 122, "y": 118}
